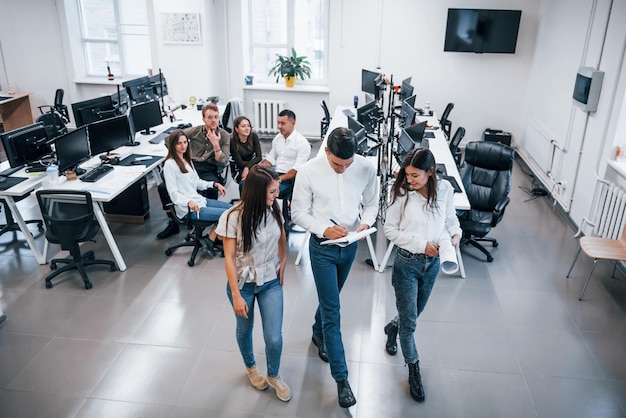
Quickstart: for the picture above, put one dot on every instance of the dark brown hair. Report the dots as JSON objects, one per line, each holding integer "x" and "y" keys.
{"x": 172, "y": 140}
{"x": 235, "y": 135}
{"x": 423, "y": 159}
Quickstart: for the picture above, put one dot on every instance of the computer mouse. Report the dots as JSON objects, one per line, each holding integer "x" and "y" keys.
{"x": 114, "y": 161}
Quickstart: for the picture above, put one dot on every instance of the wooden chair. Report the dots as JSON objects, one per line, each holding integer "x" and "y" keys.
{"x": 608, "y": 220}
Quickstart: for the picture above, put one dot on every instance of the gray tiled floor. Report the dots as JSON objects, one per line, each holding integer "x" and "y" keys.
{"x": 157, "y": 340}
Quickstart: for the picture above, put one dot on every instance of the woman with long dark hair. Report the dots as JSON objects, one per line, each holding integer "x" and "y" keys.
{"x": 255, "y": 251}
{"x": 420, "y": 217}
{"x": 182, "y": 183}
{"x": 245, "y": 147}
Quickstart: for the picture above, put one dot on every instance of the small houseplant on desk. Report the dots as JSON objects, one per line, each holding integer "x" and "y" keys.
{"x": 290, "y": 67}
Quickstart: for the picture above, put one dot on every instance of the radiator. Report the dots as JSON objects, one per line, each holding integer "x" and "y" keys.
{"x": 266, "y": 115}
{"x": 608, "y": 211}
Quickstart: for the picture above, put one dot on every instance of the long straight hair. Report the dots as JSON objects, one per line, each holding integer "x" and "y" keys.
{"x": 172, "y": 140}
{"x": 253, "y": 204}
{"x": 235, "y": 135}
{"x": 423, "y": 159}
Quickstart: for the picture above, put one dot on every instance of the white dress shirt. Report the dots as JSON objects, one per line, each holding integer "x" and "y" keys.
{"x": 289, "y": 153}
{"x": 183, "y": 187}
{"x": 409, "y": 224}
{"x": 261, "y": 263}
{"x": 320, "y": 194}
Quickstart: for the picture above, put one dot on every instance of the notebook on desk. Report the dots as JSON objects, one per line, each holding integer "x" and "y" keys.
{"x": 132, "y": 160}
{"x": 9, "y": 182}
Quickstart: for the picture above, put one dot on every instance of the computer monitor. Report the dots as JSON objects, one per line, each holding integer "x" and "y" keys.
{"x": 410, "y": 100}
{"x": 406, "y": 90}
{"x": 416, "y": 132}
{"x": 120, "y": 101}
{"x": 72, "y": 150}
{"x": 407, "y": 114}
{"x": 159, "y": 85}
{"x": 139, "y": 89}
{"x": 369, "y": 116}
{"x": 26, "y": 145}
{"x": 359, "y": 134}
{"x": 370, "y": 82}
{"x": 405, "y": 144}
{"x": 107, "y": 135}
{"x": 92, "y": 110}
{"x": 144, "y": 116}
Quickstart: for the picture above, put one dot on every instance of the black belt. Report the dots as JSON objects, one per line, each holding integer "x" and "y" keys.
{"x": 408, "y": 254}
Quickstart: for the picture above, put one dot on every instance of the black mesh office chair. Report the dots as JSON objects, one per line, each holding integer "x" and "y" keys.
{"x": 53, "y": 124}
{"x": 444, "y": 122}
{"x": 70, "y": 220}
{"x": 58, "y": 106}
{"x": 454, "y": 145}
{"x": 325, "y": 121}
{"x": 486, "y": 175}
{"x": 194, "y": 238}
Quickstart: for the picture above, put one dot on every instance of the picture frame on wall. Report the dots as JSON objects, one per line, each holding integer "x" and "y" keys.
{"x": 181, "y": 28}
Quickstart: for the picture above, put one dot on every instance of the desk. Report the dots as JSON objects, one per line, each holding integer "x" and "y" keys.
{"x": 15, "y": 111}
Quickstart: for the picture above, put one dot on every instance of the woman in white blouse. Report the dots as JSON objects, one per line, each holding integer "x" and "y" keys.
{"x": 420, "y": 217}
{"x": 255, "y": 251}
{"x": 182, "y": 183}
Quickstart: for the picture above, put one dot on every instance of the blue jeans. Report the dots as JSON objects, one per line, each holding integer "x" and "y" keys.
{"x": 212, "y": 211}
{"x": 270, "y": 299}
{"x": 331, "y": 266}
{"x": 413, "y": 279}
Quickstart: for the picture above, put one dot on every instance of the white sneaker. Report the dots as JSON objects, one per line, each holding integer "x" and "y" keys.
{"x": 282, "y": 390}
{"x": 256, "y": 379}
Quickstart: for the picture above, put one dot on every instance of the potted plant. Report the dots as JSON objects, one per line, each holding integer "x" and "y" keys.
{"x": 290, "y": 67}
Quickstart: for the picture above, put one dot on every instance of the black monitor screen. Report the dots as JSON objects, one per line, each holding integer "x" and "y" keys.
{"x": 360, "y": 135}
{"x": 26, "y": 145}
{"x": 406, "y": 90}
{"x": 159, "y": 85}
{"x": 416, "y": 132}
{"x": 408, "y": 114}
{"x": 405, "y": 143}
{"x": 93, "y": 110}
{"x": 139, "y": 89}
{"x": 368, "y": 116}
{"x": 482, "y": 30}
{"x": 370, "y": 82}
{"x": 72, "y": 149}
{"x": 107, "y": 135}
{"x": 410, "y": 100}
{"x": 144, "y": 116}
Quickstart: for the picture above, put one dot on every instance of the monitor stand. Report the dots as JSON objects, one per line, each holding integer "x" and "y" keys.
{"x": 79, "y": 171}
{"x": 147, "y": 131}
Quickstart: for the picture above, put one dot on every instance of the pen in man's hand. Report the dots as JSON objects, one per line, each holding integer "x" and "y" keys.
{"x": 334, "y": 223}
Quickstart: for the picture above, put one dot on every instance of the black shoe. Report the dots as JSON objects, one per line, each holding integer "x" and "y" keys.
{"x": 346, "y": 397}
{"x": 391, "y": 329}
{"x": 207, "y": 244}
{"x": 416, "y": 389}
{"x": 321, "y": 348}
{"x": 170, "y": 229}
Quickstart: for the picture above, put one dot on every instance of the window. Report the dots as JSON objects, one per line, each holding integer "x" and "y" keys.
{"x": 275, "y": 26}
{"x": 115, "y": 32}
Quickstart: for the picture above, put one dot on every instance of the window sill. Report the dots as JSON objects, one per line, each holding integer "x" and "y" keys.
{"x": 299, "y": 88}
{"x": 100, "y": 81}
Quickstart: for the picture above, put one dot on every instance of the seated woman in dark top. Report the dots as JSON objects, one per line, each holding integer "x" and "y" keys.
{"x": 245, "y": 147}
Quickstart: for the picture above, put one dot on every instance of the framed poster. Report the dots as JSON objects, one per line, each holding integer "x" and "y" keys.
{"x": 181, "y": 28}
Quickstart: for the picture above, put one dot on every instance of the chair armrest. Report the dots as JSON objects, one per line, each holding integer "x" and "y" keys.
{"x": 172, "y": 209}
{"x": 49, "y": 107}
{"x": 498, "y": 211}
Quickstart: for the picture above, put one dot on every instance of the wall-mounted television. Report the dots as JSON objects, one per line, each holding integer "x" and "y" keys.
{"x": 482, "y": 31}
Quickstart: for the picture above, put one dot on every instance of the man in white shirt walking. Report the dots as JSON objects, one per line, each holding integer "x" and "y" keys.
{"x": 333, "y": 196}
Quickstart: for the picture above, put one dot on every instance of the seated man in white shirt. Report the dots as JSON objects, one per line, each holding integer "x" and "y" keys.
{"x": 290, "y": 150}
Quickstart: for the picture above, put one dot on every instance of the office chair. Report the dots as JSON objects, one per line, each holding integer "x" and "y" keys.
{"x": 70, "y": 220}
{"x": 454, "y": 145}
{"x": 444, "y": 122}
{"x": 194, "y": 238}
{"x": 232, "y": 110}
{"x": 325, "y": 121}
{"x": 486, "y": 175}
{"x": 11, "y": 225}
{"x": 53, "y": 124}
{"x": 58, "y": 106}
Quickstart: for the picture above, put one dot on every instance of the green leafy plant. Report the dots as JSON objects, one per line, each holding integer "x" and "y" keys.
{"x": 291, "y": 65}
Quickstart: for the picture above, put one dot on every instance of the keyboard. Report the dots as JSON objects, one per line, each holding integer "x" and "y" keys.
{"x": 12, "y": 170}
{"x": 96, "y": 174}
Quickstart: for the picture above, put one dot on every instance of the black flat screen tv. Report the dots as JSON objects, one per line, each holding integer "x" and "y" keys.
{"x": 482, "y": 31}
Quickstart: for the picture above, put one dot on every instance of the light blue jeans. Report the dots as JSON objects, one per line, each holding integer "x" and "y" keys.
{"x": 413, "y": 279}
{"x": 331, "y": 265}
{"x": 212, "y": 211}
{"x": 270, "y": 299}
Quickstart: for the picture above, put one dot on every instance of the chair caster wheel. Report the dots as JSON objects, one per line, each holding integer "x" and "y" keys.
{"x": 48, "y": 285}
{"x": 53, "y": 266}
{"x": 190, "y": 263}
{"x": 88, "y": 286}
{"x": 489, "y": 259}
{"x": 168, "y": 252}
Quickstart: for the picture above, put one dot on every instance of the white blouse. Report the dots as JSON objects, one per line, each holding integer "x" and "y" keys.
{"x": 183, "y": 187}
{"x": 261, "y": 263}
{"x": 410, "y": 224}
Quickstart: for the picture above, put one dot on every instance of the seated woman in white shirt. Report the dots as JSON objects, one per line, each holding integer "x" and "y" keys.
{"x": 182, "y": 183}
